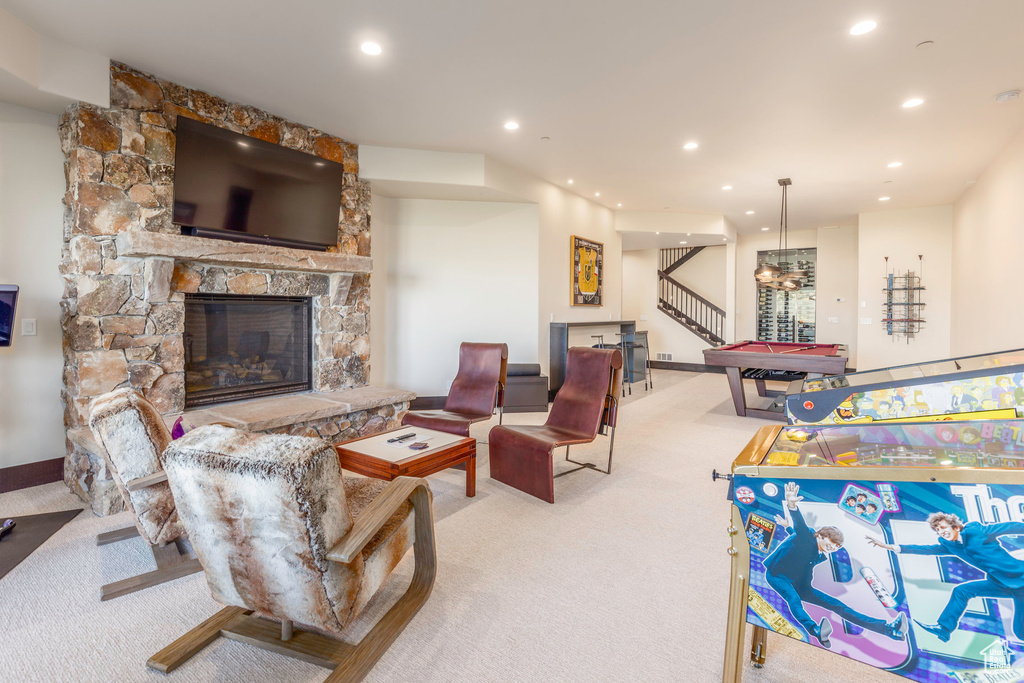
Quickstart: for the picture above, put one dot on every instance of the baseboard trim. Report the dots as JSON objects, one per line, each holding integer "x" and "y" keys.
{"x": 31, "y": 474}
{"x": 685, "y": 367}
{"x": 427, "y": 403}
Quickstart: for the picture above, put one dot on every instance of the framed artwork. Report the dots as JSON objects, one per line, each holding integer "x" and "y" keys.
{"x": 587, "y": 261}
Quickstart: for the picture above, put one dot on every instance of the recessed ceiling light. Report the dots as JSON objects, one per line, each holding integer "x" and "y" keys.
{"x": 886, "y": 182}
{"x": 726, "y": 187}
{"x": 321, "y": 163}
{"x": 690, "y": 145}
{"x": 682, "y": 243}
{"x": 924, "y": 45}
{"x": 243, "y": 143}
{"x": 863, "y": 27}
{"x": 883, "y": 199}
{"x": 913, "y": 102}
{"x": 896, "y": 164}
{"x": 750, "y": 213}
{"x": 657, "y": 233}
{"x": 545, "y": 137}
{"x": 597, "y": 194}
{"x": 764, "y": 229}
{"x": 370, "y": 48}
{"x": 724, "y": 239}
{"x": 511, "y": 125}
{"x": 570, "y": 181}
{"x": 620, "y": 204}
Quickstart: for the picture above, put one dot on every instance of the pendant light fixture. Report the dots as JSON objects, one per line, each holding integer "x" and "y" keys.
{"x": 781, "y": 275}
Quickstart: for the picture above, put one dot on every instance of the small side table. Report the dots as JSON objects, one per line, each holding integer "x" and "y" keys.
{"x": 372, "y": 456}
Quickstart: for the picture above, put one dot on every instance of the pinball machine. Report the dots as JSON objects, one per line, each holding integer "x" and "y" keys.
{"x": 898, "y": 545}
{"x": 987, "y": 386}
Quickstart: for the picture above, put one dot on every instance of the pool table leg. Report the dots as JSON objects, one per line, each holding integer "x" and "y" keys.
{"x": 762, "y": 390}
{"x": 736, "y": 387}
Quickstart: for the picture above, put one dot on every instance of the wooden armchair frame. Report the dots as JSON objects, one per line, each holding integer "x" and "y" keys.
{"x": 170, "y": 563}
{"x": 349, "y": 663}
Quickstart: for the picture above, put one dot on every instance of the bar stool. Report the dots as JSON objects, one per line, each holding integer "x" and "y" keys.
{"x": 648, "y": 372}
{"x": 600, "y": 340}
{"x": 625, "y": 339}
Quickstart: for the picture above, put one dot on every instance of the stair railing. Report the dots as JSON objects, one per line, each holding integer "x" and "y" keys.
{"x": 690, "y": 309}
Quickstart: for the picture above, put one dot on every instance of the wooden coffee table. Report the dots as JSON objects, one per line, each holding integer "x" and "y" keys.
{"x": 372, "y": 456}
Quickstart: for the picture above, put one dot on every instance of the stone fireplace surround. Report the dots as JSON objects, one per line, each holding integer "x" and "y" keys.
{"x": 126, "y": 270}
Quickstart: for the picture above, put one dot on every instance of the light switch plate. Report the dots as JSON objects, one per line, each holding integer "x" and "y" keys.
{"x": 865, "y": 321}
{"x": 28, "y": 327}
{"x": 643, "y": 318}
{"x": 833, "y": 319}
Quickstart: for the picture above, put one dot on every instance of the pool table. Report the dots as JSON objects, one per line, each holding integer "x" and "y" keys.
{"x": 815, "y": 360}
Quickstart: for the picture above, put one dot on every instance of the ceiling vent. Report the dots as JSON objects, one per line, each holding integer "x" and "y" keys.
{"x": 1008, "y": 96}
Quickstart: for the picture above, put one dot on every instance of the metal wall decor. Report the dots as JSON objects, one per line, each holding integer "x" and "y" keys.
{"x": 903, "y": 309}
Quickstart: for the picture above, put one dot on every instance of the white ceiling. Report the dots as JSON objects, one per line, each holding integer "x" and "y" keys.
{"x": 768, "y": 89}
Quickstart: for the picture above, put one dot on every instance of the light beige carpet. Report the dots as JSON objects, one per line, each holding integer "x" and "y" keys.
{"x": 624, "y": 578}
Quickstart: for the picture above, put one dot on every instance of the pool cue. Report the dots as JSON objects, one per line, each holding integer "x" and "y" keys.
{"x": 794, "y": 350}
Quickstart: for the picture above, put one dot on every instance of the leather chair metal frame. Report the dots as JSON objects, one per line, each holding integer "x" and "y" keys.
{"x": 454, "y": 418}
{"x": 527, "y": 473}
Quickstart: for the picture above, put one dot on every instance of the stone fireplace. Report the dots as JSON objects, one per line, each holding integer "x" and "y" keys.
{"x": 131, "y": 277}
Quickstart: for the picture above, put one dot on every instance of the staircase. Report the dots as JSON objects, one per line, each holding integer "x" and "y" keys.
{"x": 682, "y": 304}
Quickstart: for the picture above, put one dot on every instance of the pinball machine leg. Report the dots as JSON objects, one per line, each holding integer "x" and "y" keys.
{"x": 759, "y": 646}
{"x": 739, "y": 549}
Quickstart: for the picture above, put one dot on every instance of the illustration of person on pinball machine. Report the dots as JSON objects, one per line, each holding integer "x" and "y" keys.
{"x": 978, "y": 545}
{"x": 789, "y": 570}
{"x": 845, "y": 413}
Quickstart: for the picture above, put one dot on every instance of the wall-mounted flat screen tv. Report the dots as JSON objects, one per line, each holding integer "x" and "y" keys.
{"x": 8, "y": 304}
{"x": 231, "y": 186}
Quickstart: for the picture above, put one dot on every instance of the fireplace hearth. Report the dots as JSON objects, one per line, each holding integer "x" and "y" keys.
{"x": 239, "y": 347}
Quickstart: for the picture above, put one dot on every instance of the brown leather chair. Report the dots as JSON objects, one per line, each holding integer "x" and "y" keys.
{"x": 586, "y": 405}
{"x": 478, "y": 388}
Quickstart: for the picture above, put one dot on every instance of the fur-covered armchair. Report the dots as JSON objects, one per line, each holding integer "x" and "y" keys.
{"x": 282, "y": 534}
{"x": 133, "y": 436}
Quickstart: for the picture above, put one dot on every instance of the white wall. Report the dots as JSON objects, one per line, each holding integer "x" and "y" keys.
{"x": 562, "y": 214}
{"x": 901, "y": 235}
{"x": 31, "y": 187}
{"x": 705, "y": 273}
{"x": 836, "y": 295}
{"x": 988, "y": 244}
{"x": 451, "y": 271}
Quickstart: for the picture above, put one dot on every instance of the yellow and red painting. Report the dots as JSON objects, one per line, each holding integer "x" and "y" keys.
{"x": 587, "y": 271}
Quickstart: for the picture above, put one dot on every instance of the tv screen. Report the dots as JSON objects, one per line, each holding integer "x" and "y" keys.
{"x": 8, "y": 303}
{"x": 233, "y": 186}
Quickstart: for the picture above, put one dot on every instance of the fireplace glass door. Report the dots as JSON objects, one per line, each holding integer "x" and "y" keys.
{"x": 239, "y": 347}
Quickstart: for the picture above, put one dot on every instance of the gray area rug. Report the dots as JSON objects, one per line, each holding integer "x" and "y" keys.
{"x": 30, "y": 532}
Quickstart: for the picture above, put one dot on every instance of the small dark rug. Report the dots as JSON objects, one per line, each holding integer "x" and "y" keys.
{"x": 30, "y": 533}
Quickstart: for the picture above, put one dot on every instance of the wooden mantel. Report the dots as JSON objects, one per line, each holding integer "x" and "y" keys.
{"x": 135, "y": 243}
